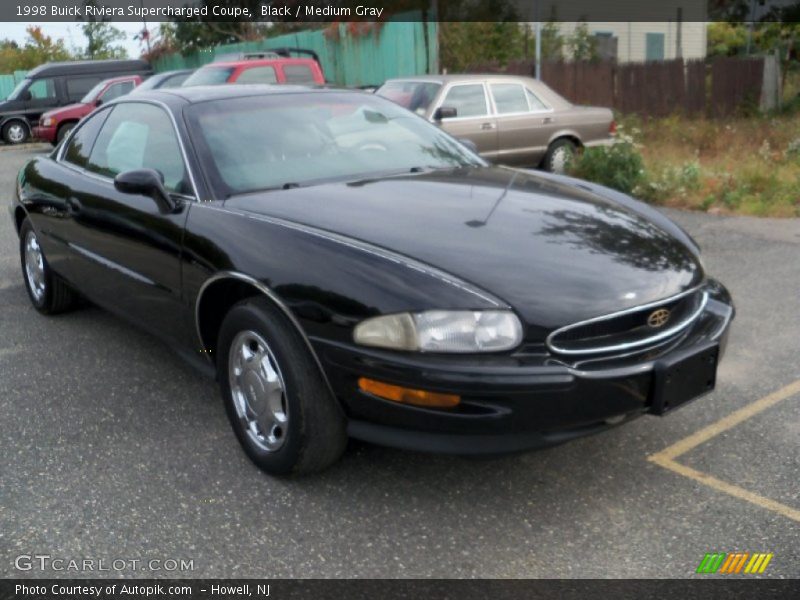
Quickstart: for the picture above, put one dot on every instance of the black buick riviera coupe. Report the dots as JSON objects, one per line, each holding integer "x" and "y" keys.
{"x": 347, "y": 269}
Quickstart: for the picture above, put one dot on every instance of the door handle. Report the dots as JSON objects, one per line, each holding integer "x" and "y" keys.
{"x": 488, "y": 126}
{"x": 74, "y": 205}
{"x": 548, "y": 120}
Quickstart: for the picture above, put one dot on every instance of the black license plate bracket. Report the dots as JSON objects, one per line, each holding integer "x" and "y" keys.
{"x": 683, "y": 377}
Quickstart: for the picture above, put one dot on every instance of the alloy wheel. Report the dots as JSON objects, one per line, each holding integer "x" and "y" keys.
{"x": 258, "y": 390}
{"x": 16, "y": 133}
{"x": 34, "y": 266}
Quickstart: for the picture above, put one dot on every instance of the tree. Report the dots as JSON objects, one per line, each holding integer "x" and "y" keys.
{"x": 37, "y": 49}
{"x": 581, "y": 44}
{"x": 552, "y": 41}
{"x": 191, "y": 36}
{"x": 100, "y": 38}
{"x": 726, "y": 39}
{"x": 465, "y": 44}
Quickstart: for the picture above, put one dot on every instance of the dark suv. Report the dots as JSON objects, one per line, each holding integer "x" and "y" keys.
{"x": 57, "y": 84}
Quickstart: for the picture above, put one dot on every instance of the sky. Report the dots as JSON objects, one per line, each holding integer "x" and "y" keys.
{"x": 72, "y": 35}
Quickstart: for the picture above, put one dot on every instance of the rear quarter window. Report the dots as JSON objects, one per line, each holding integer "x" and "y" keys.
{"x": 298, "y": 74}
{"x": 258, "y": 75}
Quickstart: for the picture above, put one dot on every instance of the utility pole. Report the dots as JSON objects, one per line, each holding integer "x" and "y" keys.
{"x": 538, "y": 43}
{"x": 145, "y": 32}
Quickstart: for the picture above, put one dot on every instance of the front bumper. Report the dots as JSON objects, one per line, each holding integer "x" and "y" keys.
{"x": 513, "y": 402}
{"x": 48, "y": 134}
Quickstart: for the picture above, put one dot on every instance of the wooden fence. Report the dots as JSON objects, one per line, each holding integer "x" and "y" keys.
{"x": 692, "y": 87}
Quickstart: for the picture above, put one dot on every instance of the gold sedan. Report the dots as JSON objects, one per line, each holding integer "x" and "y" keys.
{"x": 511, "y": 120}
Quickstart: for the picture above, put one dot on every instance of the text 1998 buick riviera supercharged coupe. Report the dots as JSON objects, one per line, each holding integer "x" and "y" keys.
{"x": 347, "y": 268}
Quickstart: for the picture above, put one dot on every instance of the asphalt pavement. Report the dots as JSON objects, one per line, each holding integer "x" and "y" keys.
{"x": 112, "y": 448}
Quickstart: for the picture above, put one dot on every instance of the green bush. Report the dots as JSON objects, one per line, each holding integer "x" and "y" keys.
{"x": 619, "y": 166}
{"x": 671, "y": 182}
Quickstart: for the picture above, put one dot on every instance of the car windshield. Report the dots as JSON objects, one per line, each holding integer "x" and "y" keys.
{"x": 18, "y": 89}
{"x": 209, "y": 76}
{"x": 93, "y": 93}
{"x": 166, "y": 80}
{"x": 290, "y": 140}
{"x": 413, "y": 95}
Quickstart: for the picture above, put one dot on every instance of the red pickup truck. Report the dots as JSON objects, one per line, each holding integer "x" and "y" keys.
{"x": 55, "y": 124}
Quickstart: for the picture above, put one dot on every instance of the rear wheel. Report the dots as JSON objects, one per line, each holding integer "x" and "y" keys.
{"x": 63, "y": 131}
{"x": 47, "y": 292}
{"x": 15, "y": 132}
{"x": 277, "y": 400}
{"x": 559, "y": 155}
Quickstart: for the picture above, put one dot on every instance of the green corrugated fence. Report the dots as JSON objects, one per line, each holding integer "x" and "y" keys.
{"x": 9, "y": 82}
{"x": 395, "y": 49}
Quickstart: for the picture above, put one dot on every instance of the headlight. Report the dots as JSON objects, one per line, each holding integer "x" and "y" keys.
{"x": 48, "y": 122}
{"x": 442, "y": 331}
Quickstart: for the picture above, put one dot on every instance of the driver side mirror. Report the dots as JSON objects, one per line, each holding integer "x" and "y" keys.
{"x": 445, "y": 112}
{"x": 147, "y": 182}
{"x": 98, "y": 102}
{"x": 26, "y": 96}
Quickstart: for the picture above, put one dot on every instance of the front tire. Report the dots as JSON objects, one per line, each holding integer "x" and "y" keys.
{"x": 15, "y": 132}
{"x": 63, "y": 131}
{"x": 276, "y": 398}
{"x": 47, "y": 292}
{"x": 559, "y": 155}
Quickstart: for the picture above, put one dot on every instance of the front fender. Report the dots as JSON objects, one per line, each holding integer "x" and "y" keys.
{"x": 329, "y": 282}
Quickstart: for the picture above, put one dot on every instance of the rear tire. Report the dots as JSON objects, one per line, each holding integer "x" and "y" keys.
{"x": 47, "y": 292}
{"x": 277, "y": 400}
{"x": 558, "y": 156}
{"x": 15, "y": 132}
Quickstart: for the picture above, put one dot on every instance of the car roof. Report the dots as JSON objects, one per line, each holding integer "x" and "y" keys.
{"x": 201, "y": 93}
{"x": 539, "y": 87}
{"x": 165, "y": 74}
{"x": 450, "y": 78}
{"x": 88, "y": 67}
{"x": 260, "y": 62}
{"x": 117, "y": 78}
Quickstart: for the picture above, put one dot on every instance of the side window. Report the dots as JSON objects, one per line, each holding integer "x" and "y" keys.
{"x": 78, "y": 87}
{"x": 298, "y": 74}
{"x": 80, "y": 145}
{"x": 43, "y": 89}
{"x": 534, "y": 101}
{"x": 116, "y": 90}
{"x": 509, "y": 98}
{"x": 139, "y": 136}
{"x": 258, "y": 75}
{"x": 469, "y": 100}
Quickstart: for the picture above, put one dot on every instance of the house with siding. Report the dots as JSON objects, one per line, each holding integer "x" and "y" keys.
{"x": 638, "y": 41}
{"x": 630, "y": 30}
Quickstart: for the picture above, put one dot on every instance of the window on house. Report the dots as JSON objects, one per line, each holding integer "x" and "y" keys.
{"x": 654, "y": 46}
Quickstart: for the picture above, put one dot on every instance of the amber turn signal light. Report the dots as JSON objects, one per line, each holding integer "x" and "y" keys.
{"x": 403, "y": 395}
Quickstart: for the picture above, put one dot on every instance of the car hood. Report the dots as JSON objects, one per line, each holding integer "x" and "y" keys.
{"x": 70, "y": 110}
{"x": 554, "y": 251}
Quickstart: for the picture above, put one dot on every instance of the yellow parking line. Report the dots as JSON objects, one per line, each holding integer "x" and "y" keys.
{"x": 666, "y": 458}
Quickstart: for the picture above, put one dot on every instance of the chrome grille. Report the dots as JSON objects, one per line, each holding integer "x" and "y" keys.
{"x": 637, "y": 327}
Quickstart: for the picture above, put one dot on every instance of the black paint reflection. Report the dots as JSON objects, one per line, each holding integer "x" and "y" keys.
{"x": 623, "y": 237}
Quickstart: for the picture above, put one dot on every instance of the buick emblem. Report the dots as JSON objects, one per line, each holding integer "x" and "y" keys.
{"x": 658, "y": 318}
